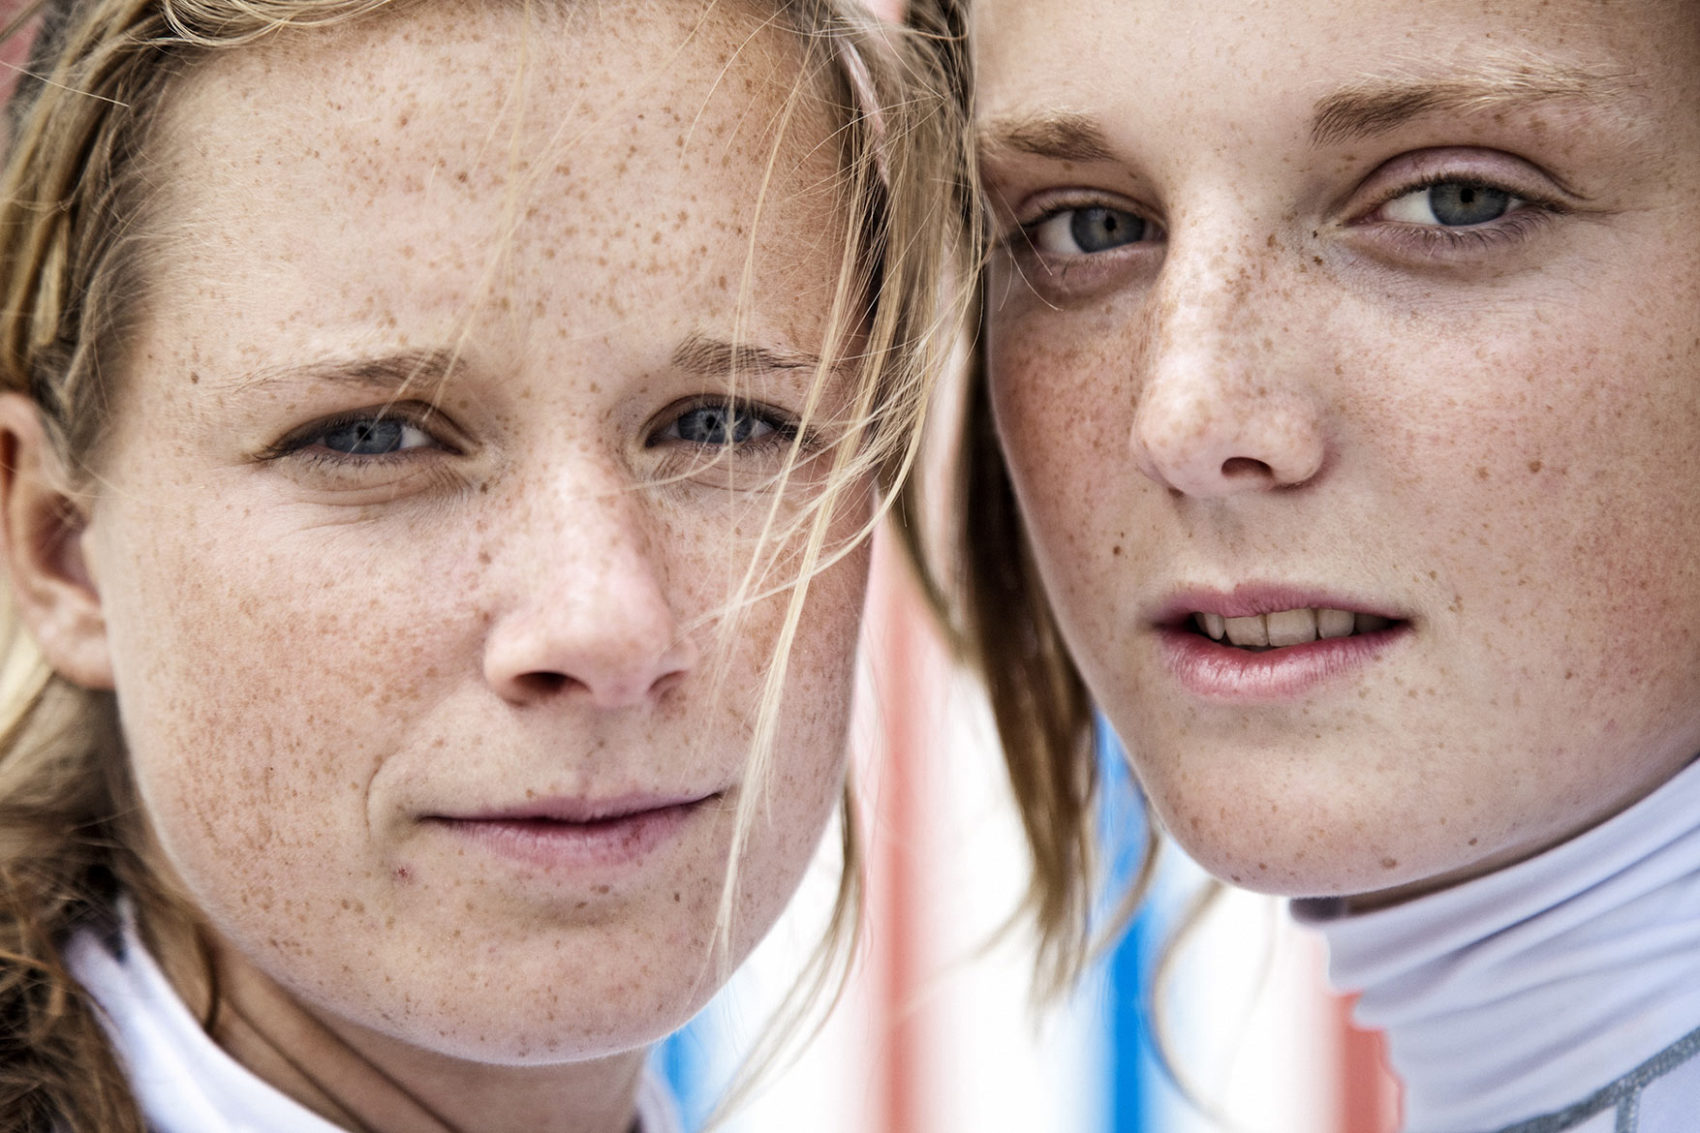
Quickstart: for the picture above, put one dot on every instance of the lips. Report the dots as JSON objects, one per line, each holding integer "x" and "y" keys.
{"x": 569, "y": 836}
{"x": 1263, "y": 642}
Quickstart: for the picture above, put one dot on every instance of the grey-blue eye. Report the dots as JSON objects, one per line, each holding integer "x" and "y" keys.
{"x": 372, "y": 436}
{"x": 720, "y": 423}
{"x": 1084, "y": 231}
{"x": 1451, "y": 204}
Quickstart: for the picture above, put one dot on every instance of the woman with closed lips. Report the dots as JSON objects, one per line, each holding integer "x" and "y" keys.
{"x": 437, "y": 455}
{"x": 1337, "y": 437}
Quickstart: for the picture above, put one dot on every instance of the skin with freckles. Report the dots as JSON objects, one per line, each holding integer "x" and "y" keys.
{"x": 443, "y": 444}
{"x": 1402, "y": 320}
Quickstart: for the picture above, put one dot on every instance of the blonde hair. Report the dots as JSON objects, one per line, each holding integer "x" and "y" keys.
{"x": 74, "y": 217}
{"x": 980, "y": 576}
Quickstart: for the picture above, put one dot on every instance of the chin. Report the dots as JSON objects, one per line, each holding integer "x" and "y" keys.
{"x": 1302, "y": 849}
{"x": 519, "y": 1030}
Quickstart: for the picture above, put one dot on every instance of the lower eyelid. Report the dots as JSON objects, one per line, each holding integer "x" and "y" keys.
{"x": 1501, "y": 233}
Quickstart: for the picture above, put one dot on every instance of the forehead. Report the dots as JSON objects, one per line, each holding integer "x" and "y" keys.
{"x": 1159, "y": 65}
{"x": 430, "y": 155}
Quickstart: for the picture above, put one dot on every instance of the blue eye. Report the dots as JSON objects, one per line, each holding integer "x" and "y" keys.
{"x": 372, "y": 436}
{"x": 720, "y": 424}
{"x": 1451, "y": 204}
{"x": 1084, "y": 231}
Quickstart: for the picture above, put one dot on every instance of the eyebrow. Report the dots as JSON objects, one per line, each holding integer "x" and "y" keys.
{"x": 698, "y": 354}
{"x": 1377, "y": 106}
{"x": 396, "y": 371}
{"x": 713, "y": 357}
{"x": 1062, "y": 135}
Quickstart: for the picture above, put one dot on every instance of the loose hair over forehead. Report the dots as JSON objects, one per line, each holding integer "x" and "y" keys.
{"x": 78, "y": 209}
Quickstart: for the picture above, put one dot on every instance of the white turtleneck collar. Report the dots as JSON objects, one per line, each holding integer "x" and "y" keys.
{"x": 1522, "y": 992}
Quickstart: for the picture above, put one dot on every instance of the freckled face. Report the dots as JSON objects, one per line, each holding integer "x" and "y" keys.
{"x": 418, "y": 673}
{"x": 1380, "y": 308}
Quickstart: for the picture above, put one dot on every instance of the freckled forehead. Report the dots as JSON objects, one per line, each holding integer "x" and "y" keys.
{"x": 1142, "y": 63}
{"x": 573, "y": 169}
{"x": 483, "y": 98}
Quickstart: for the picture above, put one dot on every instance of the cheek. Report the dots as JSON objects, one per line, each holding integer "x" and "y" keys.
{"x": 263, "y": 679}
{"x": 794, "y": 794}
{"x": 1556, "y": 483}
{"x": 1063, "y": 395}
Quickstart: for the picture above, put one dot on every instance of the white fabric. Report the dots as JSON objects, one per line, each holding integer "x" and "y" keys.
{"x": 186, "y": 1083}
{"x": 1522, "y": 993}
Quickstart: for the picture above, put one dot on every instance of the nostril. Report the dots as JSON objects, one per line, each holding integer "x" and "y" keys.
{"x": 543, "y": 683}
{"x": 1238, "y": 467}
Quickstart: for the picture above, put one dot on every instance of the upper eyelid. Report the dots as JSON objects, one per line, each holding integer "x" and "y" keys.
{"x": 1046, "y": 203}
{"x": 1499, "y": 169}
{"x": 426, "y": 418}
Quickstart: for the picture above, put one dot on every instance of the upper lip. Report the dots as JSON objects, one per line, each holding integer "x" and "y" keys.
{"x": 1253, "y": 598}
{"x": 576, "y": 809}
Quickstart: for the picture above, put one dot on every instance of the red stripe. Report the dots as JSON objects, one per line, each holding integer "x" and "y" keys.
{"x": 903, "y": 676}
{"x": 1369, "y": 1094}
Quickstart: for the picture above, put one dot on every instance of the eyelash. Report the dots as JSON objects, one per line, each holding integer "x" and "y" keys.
{"x": 782, "y": 427}
{"x": 1021, "y": 237}
{"x": 300, "y": 444}
{"x": 1533, "y": 212}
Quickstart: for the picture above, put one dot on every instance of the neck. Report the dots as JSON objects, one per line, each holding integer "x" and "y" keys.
{"x": 372, "y": 1083}
{"x": 1517, "y": 993}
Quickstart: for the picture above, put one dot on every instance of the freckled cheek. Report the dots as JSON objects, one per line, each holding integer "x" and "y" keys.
{"x": 261, "y": 691}
{"x": 1063, "y": 413}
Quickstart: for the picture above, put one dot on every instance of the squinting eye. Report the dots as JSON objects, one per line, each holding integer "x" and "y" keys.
{"x": 1451, "y": 204}
{"x": 720, "y": 423}
{"x": 1084, "y": 231}
{"x": 373, "y": 436}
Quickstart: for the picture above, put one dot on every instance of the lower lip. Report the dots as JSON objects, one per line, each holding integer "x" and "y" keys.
{"x": 575, "y": 846}
{"x": 1218, "y": 671}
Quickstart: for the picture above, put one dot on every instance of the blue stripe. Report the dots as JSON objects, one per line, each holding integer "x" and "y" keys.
{"x": 682, "y": 1060}
{"x": 1130, "y": 1104}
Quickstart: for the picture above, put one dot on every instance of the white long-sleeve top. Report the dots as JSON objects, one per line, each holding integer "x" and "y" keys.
{"x": 186, "y": 1083}
{"x": 1561, "y": 993}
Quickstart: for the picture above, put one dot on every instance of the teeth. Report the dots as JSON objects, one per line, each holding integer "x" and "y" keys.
{"x": 1247, "y": 631}
{"x": 1288, "y": 627}
{"x": 1291, "y": 627}
{"x": 1334, "y": 623}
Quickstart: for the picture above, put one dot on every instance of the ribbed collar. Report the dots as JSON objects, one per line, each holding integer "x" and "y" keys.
{"x": 1522, "y": 991}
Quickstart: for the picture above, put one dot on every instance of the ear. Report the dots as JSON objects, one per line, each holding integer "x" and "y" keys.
{"x": 41, "y": 541}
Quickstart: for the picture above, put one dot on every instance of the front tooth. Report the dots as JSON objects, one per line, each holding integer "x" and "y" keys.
{"x": 1247, "y": 631}
{"x": 1212, "y": 624}
{"x": 1370, "y": 623}
{"x": 1334, "y": 623}
{"x": 1291, "y": 627}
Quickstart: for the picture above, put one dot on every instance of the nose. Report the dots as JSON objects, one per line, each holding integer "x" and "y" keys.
{"x": 593, "y": 612}
{"x": 1228, "y": 403}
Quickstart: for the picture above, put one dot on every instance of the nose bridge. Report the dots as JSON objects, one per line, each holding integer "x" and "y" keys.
{"x": 591, "y": 603}
{"x": 1228, "y": 399}
{"x": 1214, "y": 304}
{"x": 596, "y": 526}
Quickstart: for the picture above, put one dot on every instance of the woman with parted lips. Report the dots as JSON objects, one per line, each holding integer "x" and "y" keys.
{"x": 1338, "y": 435}
{"x": 438, "y": 450}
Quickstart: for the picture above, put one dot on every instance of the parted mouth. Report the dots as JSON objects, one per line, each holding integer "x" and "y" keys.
{"x": 1281, "y": 628}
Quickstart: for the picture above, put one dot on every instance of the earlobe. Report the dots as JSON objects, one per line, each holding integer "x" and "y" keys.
{"x": 41, "y": 541}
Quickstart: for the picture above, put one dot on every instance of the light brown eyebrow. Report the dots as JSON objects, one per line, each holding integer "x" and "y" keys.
{"x": 1377, "y": 106}
{"x": 395, "y": 372}
{"x": 1062, "y": 135}
{"x": 709, "y": 357}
